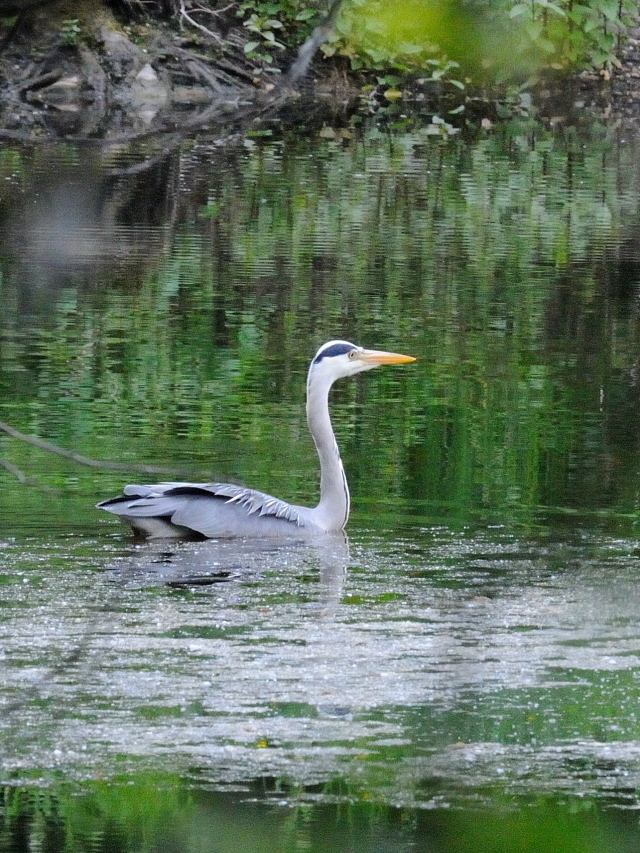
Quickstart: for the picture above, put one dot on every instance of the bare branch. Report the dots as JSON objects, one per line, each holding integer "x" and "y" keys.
{"x": 24, "y": 479}
{"x": 307, "y": 51}
{"x": 184, "y": 15}
{"x": 106, "y": 465}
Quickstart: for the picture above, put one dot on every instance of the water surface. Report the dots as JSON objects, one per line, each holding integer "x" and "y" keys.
{"x": 474, "y": 641}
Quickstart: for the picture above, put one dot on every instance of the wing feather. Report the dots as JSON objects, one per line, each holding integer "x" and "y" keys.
{"x": 174, "y": 499}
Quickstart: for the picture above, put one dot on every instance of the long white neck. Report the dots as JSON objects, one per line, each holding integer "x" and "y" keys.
{"x": 332, "y": 512}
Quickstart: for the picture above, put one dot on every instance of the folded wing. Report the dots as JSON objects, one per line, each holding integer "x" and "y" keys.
{"x": 208, "y": 509}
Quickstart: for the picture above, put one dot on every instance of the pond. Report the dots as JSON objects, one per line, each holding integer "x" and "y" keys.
{"x": 460, "y": 671}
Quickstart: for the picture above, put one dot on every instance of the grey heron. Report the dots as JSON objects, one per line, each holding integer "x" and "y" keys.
{"x": 222, "y": 510}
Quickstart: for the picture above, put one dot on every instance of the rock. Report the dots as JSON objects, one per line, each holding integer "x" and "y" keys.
{"x": 123, "y": 54}
{"x": 64, "y": 94}
{"x": 147, "y": 94}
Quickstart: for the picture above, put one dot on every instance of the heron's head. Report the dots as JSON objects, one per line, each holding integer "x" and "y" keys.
{"x": 341, "y": 358}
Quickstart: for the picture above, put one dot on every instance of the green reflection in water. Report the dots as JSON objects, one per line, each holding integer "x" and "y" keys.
{"x": 161, "y": 815}
{"x": 498, "y": 263}
{"x": 503, "y": 264}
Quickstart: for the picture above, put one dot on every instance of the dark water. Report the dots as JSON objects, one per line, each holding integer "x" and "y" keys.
{"x": 462, "y": 672}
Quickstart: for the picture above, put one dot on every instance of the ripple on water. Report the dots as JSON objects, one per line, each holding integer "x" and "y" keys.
{"x": 479, "y": 660}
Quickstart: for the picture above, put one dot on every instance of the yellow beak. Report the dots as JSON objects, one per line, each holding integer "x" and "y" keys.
{"x": 374, "y": 357}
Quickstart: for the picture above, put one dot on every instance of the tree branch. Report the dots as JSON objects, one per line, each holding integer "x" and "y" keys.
{"x": 105, "y": 465}
{"x": 26, "y": 481}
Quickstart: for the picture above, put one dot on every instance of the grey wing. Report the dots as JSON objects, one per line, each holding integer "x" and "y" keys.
{"x": 254, "y": 501}
{"x": 147, "y": 501}
{"x": 211, "y": 509}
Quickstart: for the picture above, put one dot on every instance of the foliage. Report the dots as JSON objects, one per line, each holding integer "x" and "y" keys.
{"x": 494, "y": 40}
{"x": 276, "y": 24}
{"x": 70, "y": 32}
{"x": 568, "y": 33}
{"x": 405, "y": 36}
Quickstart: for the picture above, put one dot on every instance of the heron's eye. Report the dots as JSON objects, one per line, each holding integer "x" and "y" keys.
{"x": 352, "y": 354}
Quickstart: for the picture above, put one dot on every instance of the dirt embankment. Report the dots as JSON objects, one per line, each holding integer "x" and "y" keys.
{"x": 77, "y": 69}
{"x": 625, "y": 82}
{"x": 74, "y": 69}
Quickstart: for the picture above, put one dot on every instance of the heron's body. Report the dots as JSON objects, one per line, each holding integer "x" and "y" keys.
{"x": 217, "y": 510}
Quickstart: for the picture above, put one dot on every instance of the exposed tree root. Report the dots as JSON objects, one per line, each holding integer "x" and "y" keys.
{"x": 119, "y": 92}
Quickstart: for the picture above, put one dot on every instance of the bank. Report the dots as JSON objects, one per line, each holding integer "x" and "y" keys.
{"x": 92, "y": 70}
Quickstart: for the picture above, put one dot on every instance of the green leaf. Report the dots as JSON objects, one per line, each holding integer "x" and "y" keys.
{"x": 547, "y": 4}
{"x": 410, "y": 48}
